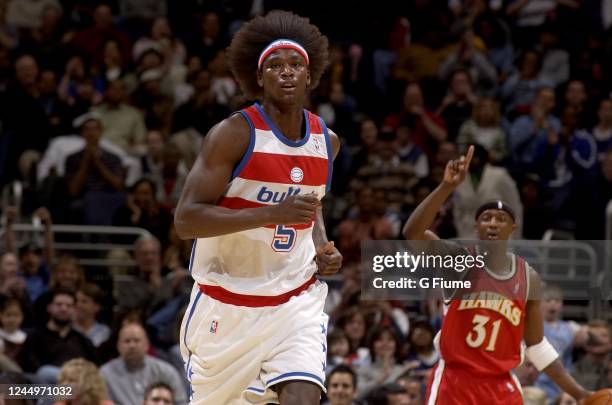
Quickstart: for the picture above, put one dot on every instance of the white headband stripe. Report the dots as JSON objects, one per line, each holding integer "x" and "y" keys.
{"x": 281, "y": 44}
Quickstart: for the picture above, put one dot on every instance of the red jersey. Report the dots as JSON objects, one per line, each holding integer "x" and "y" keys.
{"x": 483, "y": 328}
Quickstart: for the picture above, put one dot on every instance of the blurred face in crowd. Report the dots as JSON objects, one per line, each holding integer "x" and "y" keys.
{"x": 91, "y": 131}
{"x": 460, "y": 84}
{"x": 150, "y": 60}
{"x": 355, "y": 327}
{"x": 530, "y": 65}
{"x": 446, "y": 152}
{"x": 365, "y": 200}
{"x": 67, "y": 274}
{"x": 30, "y": 262}
{"x": 494, "y": 224}
{"x": 341, "y": 390}
{"x": 147, "y": 256}
{"x": 421, "y": 336}
{"x": 85, "y": 89}
{"x": 399, "y": 398}
{"x": 384, "y": 346}
{"x": 414, "y": 394}
{"x": 144, "y": 195}
{"x": 86, "y": 307}
{"x": 569, "y": 120}
{"x": 47, "y": 83}
{"x": 115, "y": 92}
{"x": 159, "y": 396}
{"x": 210, "y": 25}
{"x": 112, "y": 54}
{"x": 486, "y": 112}
{"x": 160, "y": 28}
{"x": 155, "y": 144}
{"x": 61, "y": 309}
{"x": 8, "y": 266}
{"x": 575, "y": 95}
{"x": 202, "y": 81}
{"x": 545, "y": 100}
{"x": 11, "y": 317}
{"x": 368, "y": 133}
{"x": 133, "y": 345}
{"x": 552, "y": 303}
{"x": 26, "y": 70}
{"x": 340, "y": 347}
{"x": 103, "y": 17}
{"x": 605, "y": 113}
{"x": 403, "y": 135}
{"x": 50, "y": 17}
{"x": 386, "y": 149}
{"x": 413, "y": 96}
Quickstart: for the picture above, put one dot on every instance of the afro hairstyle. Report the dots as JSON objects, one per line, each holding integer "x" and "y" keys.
{"x": 253, "y": 37}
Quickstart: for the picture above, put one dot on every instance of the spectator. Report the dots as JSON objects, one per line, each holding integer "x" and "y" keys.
{"x": 484, "y": 129}
{"x": 33, "y": 259}
{"x": 11, "y": 283}
{"x": 602, "y": 131}
{"x": 341, "y": 386}
{"x": 366, "y": 150}
{"x": 352, "y": 322}
{"x": 156, "y": 106}
{"x": 12, "y": 336}
{"x": 536, "y": 209}
{"x": 413, "y": 388}
{"x": 486, "y": 183}
{"x": 523, "y": 86}
{"x": 28, "y": 13}
{"x": 91, "y": 39}
{"x": 56, "y": 110}
{"x": 128, "y": 376}
{"x": 385, "y": 367}
{"x": 365, "y": 226}
{"x": 159, "y": 393}
{"x": 94, "y": 174}
{"x": 527, "y": 131}
{"x": 429, "y": 128}
{"x": 337, "y": 349}
{"x": 555, "y": 60}
{"x": 210, "y": 39}
{"x": 563, "y": 335}
{"x": 89, "y": 300}
{"x": 160, "y": 29}
{"x": 423, "y": 354}
{"x": 591, "y": 370}
{"x": 47, "y": 348}
{"x": 409, "y": 152}
{"x": 457, "y": 105}
{"x": 142, "y": 210}
{"x": 66, "y": 274}
{"x": 475, "y": 63}
{"x": 86, "y": 382}
{"x": 123, "y": 124}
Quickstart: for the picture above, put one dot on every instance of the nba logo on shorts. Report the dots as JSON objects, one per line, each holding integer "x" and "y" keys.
{"x": 213, "y": 326}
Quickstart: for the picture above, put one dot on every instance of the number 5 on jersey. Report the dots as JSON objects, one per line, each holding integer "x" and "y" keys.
{"x": 284, "y": 238}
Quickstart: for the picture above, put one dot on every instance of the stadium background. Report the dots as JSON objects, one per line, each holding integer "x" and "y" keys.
{"x": 408, "y": 86}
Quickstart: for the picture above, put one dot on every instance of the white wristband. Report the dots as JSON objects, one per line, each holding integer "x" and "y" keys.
{"x": 542, "y": 354}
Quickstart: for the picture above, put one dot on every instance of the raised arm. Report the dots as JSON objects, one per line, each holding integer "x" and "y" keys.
{"x": 416, "y": 228}
{"x": 539, "y": 351}
{"x": 198, "y": 216}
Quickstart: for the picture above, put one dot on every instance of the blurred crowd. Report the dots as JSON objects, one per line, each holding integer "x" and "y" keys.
{"x": 103, "y": 108}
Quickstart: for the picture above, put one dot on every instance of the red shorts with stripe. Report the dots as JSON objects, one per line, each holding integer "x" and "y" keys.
{"x": 452, "y": 386}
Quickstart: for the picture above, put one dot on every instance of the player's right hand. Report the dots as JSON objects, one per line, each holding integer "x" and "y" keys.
{"x": 457, "y": 169}
{"x": 297, "y": 209}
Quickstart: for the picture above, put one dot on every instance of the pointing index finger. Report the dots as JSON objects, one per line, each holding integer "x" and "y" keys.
{"x": 468, "y": 157}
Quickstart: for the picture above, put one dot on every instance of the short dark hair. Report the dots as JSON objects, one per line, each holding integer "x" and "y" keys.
{"x": 62, "y": 291}
{"x": 92, "y": 291}
{"x": 158, "y": 384}
{"x": 343, "y": 368}
{"x": 252, "y": 38}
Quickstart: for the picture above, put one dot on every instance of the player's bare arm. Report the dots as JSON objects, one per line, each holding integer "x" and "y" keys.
{"x": 197, "y": 216}
{"x": 329, "y": 259}
{"x": 416, "y": 228}
{"x": 539, "y": 351}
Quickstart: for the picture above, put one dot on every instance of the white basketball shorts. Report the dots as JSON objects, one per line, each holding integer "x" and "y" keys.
{"x": 235, "y": 354}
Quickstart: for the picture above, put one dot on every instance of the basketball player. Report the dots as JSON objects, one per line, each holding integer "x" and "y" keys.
{"x": 479, "y": 343}
{"x": 255, "y": 330}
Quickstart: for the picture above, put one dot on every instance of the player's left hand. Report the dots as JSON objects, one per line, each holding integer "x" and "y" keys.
{"x": 329, "y": 259}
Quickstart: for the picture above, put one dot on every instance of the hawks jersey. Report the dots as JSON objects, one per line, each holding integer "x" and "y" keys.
{"x": 482, "y": 331}
{"x": 273, "y": 259}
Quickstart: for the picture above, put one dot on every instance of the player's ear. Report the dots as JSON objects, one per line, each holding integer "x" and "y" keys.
{"x": 308, "y": 76}
{"x": 260, "y": 78}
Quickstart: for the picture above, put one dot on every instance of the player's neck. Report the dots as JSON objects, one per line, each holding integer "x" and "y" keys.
{"x": 497, "y": 259}
{"x": 288, "y": 119}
